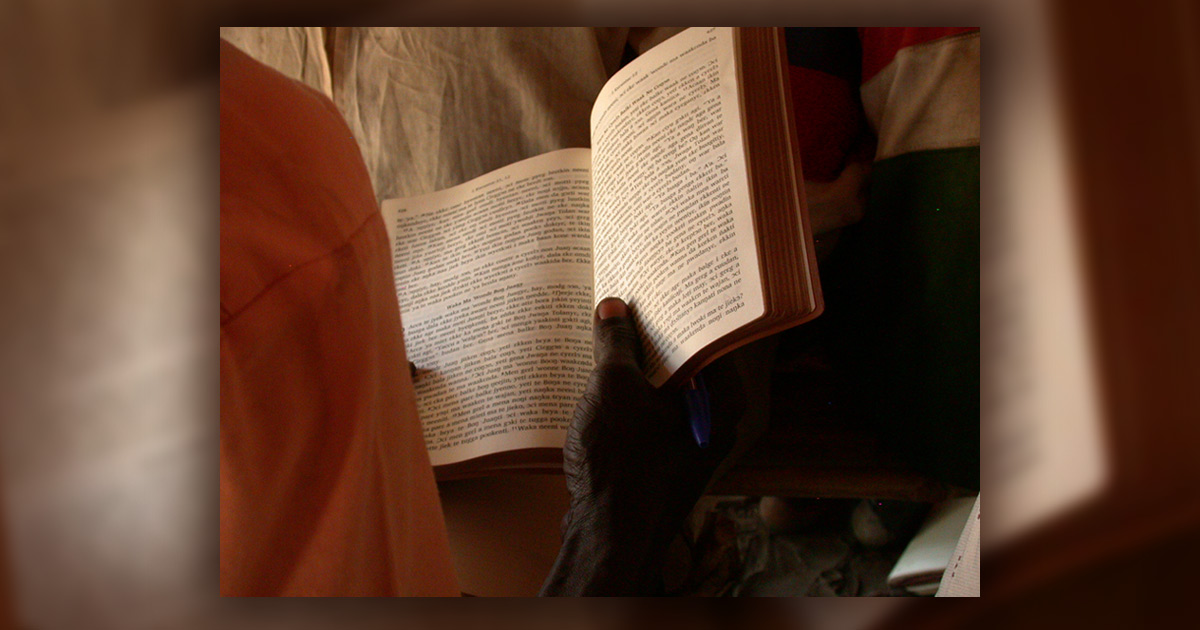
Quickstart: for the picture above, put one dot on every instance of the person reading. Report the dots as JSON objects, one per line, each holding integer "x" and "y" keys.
{"x": 326, "y": 486}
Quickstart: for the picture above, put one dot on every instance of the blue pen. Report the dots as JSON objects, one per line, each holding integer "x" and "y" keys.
{"x": 699, "y": 411}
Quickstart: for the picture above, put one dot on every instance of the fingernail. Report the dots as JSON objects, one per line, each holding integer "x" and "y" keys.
{"x": 612, "y": 307}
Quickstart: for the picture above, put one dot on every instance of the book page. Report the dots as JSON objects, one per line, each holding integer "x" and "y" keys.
{"x": 672, "y": 227}
{"x": 961, "y": 577}
{"x": 494, "y": 279}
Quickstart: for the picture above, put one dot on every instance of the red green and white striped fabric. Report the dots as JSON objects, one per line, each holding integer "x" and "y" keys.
{"x": 902, "y": 287}
{"x": 920, "y": 88}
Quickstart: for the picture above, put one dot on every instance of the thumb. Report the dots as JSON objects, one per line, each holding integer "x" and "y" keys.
{"x": 615, "y": 340}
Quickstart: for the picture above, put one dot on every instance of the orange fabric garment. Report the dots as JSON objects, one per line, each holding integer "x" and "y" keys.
{"x": 326, "y": 487}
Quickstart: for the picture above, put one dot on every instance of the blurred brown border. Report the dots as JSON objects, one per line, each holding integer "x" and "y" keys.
{"x": 1129, "y": 72}
{"x": 1129, "y": 75}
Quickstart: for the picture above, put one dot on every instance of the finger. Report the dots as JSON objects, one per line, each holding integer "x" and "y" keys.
{"x": 614, "y": 335}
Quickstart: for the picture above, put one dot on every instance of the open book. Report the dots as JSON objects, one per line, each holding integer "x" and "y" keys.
{"x": 688, "y": 206}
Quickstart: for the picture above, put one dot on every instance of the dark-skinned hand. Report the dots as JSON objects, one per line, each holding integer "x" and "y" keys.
{"x": 632, "y": 465}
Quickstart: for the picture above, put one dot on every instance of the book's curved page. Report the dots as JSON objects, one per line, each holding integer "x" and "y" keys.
{"x": 672, "y": 226}
{"x": 494, "y": 280}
